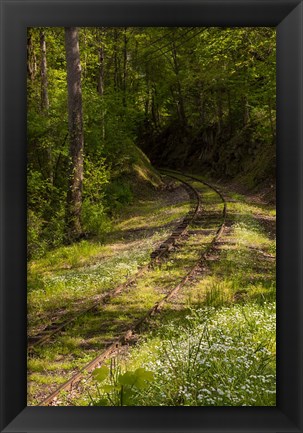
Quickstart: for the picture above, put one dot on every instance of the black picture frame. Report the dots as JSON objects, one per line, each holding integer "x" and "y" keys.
{"x": 16, "y": 16}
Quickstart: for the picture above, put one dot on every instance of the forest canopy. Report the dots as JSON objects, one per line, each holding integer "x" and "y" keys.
{"x": 186, "y": 97}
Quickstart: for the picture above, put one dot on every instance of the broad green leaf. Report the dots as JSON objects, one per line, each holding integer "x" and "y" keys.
{"x": 101, "y": 373}
{"x": 143, "y": 378}
{"x": 102, "y": 402}
{"x": 127, "y": 397}
{"x": 138, "y": 378}
{"x": 110, "y": 388}
{"x": 145, "y": 374}
{"x": 127, "y": 378}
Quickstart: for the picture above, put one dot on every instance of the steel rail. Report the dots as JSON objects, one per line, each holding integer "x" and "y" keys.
{"x": 201, "y": 181}
{"x": 55, "y": 327}
{"x": 123, "y": 339}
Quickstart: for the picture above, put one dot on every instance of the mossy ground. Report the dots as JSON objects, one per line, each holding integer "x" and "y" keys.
{"x": 238, "y": 271}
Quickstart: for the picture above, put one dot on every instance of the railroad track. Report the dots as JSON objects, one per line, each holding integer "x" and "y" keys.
{"x": 174, "y": 174}
{"x": 71, "y": 385}
{"x": 57, "y": 326}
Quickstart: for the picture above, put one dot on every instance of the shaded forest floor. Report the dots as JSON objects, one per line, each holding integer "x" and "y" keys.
{"x": 212, "y": 344}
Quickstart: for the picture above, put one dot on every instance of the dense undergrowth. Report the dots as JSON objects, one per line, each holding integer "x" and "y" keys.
{"x": 213, "y": 356}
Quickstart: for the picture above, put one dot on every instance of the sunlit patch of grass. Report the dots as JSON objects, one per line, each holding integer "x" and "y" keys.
{"x": 67, "y": 275}
{"x": 211, "y": 357}
{"x": 237, "y": 281}
{"x": 168, "y": 214}
{"x": 46, "y": 379}
{"x": 223, "y": 353}
{"x": 42, "y": 365}
{"x": 70, "y": 256}
{"x": 218, "y": 294}
{"x": 250, "y": 235}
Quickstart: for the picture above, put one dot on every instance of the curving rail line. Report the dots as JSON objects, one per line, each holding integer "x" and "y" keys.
{"x": 71, "y": 385}
{"x": 56, "y": 327}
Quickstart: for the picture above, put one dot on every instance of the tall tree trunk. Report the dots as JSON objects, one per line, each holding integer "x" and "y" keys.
{"x": 75, "y": 126}
{"x": 180, "y": 105}
{"x": 101, "y": 71}
{"x": 44, "y": 100}
{"x": 219, "y": 110}
{"x": 116, "y": 78}
{"x": 101, "y": 75}
{"x": 31, "y": 57}
{"x": 124, "y": 66}
{"x": 43, "y": 69}
{"x": 101, "y": 87}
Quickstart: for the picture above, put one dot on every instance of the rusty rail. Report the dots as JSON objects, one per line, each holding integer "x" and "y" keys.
{"x": 55, "y": 327}
{"x": 123, "y": 338}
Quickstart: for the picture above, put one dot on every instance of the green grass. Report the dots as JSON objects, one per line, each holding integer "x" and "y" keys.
{"x": 91, "y": 332}
{"x": 69, "y": 278}
{"x": 211, "y": 357}
{"x": 229, "y": 306}
{"x": 214, "y": 343}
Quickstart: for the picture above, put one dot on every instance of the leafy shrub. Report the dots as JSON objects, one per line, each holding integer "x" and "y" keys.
{"x": 35, "y": 248}
{"x": 54, "y": 229}
{"x": 118, "y": 195}
{"x": 120, "y": 389}
{"x": 94, "y": 219}
{"x": 96, "y": 177}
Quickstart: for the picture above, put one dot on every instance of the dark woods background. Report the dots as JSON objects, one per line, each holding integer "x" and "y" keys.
{"x": 101, "y": 99}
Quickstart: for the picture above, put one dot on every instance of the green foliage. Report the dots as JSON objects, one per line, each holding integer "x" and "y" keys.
{"x": 94, "y": 219}
{"x": 101, "y": 373}
{"x": 35, "y": 247}
{"x": 212, "y": 357}
{"x": 138, "y": 378}
{"x": 44, "y": 223}
{"x": 121, "y": 389}
{"x": 188, "y": 96}
{"x": 228, "y": 88}
{"x": 96, "y": 177}
{"x": 94, "y": 214}
{"x": 118, "y": 194}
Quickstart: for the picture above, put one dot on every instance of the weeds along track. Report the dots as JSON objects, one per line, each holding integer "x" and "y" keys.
{"x": 71, "y": 389}
{"x": 157, "y": 255}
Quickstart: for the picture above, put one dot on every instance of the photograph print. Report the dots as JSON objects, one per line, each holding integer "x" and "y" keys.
{"x": 151, "y": 216}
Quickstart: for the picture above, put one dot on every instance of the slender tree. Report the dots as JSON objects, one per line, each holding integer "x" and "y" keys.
{"x": 180, "y": 99}
{"x": 43, "y": 71}
{"x": 31, "y": 57}
{"x": 101, "y": 71}
{"x": 75, "y": 125}
{"x": 124, "y": 64}
{"x": 44, "y": 100}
